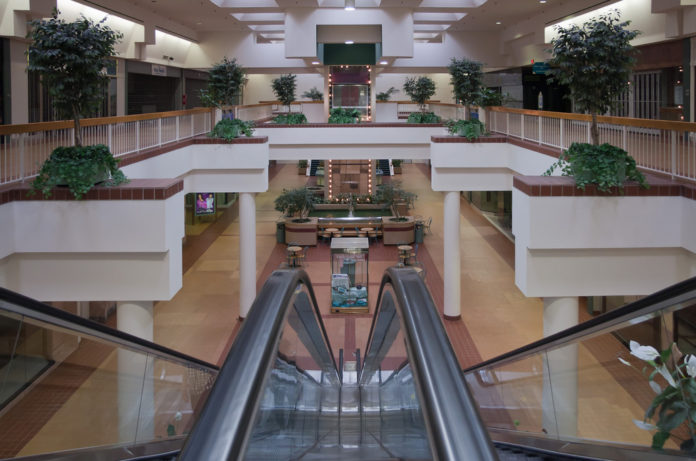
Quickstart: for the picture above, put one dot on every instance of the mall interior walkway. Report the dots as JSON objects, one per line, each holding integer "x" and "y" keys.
{"x": 202, "y": 319}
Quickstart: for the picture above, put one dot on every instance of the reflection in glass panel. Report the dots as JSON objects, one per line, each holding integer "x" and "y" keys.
{"x": 300, "y": 401}
{"x": 594, "y": 388}
{"x": 391, "y": 410}
{"x": 96, "y": 393}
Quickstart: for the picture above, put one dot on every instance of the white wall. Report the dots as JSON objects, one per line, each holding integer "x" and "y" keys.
{"x": 443, "y": 87}
{"x": 258, "y": 88}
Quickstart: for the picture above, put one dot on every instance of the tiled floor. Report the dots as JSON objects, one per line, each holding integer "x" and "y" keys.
{"x": 202, "y": 319}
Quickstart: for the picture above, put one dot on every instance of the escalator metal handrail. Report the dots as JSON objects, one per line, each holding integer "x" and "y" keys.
{"x": 27, "y": 307}
{"x": 455, "y": 428}
{"x": 650, "y": 305}
{"x": 226, "y": 422}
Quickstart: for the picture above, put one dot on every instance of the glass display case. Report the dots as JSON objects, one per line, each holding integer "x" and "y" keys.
{"x": 349, "y": 258}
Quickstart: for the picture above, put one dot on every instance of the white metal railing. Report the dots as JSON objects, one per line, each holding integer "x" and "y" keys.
{"x": 657, "y": 145}
{"x": 24, "y": 148}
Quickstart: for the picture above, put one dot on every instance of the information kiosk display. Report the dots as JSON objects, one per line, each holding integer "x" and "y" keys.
{"x": 349, "y": 257}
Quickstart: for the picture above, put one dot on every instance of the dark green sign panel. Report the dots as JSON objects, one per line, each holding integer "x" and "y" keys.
{"x": 357, "y": 54}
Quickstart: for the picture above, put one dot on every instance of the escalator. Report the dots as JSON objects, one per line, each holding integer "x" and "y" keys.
{"x": 283, "y": 393}
{"x": 76, "y": 389}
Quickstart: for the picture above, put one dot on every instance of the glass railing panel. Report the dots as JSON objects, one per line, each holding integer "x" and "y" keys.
{"x": 596, "y": 388}
{"x": 94, "y": 393}
{"x": 391, "y": 411}
{"x": 299, "y": 408}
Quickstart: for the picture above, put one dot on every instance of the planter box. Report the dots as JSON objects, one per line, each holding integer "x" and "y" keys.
{"x": 398, "y": 232}
{"x": 370, "y": 206}
{"x": 330, "y": 206}
{"x": 301, "y": 171}
{"x": 302, "y": 233}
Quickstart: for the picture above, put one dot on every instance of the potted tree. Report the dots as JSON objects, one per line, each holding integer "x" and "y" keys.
{"x": 580, "y": 62}
{"x": 420, "y": 89}
{"x": 399, "y": 229}
{"x": 75, "y": 80}
{"x": 225, "y": 81}
{"x": 466, "y": 76}
{"x": 396, "y": 163}
{"x": 302, "y": 167}
{"x": 284, "y": 89}
{"x": 295, "y": 204}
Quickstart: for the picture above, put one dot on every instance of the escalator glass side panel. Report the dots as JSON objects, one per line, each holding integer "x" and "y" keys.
{"x": 300, "y": 403}
{"x": 391, "y": 412}
{"x": 593, "y": 389}
{"x": 78, "y": 391}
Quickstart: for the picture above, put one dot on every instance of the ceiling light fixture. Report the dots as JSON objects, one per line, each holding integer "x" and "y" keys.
{"x": 349, "y": 42}
{"x": 384, "y": 63}
{"x": 498, "y": 22}
{"x": 542, "y": 1}
{"x": 350, "y": 5}
{"x": 314, "y": 63}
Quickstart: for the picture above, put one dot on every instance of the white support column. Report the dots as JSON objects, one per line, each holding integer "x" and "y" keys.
{"x": 136, "y": 403}
{"x": 560, "y": 391}
{"x": 452, "y": 258}
{"x": 247, "y": 252}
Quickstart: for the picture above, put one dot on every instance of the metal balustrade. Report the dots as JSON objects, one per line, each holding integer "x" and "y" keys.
{"x": 656, "y": 145}
{"x": 24, "y": 148}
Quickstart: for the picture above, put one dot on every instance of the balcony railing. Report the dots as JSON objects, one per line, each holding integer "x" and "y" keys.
{"x": 656, "y": 145}
{"x": 24, "y": 148}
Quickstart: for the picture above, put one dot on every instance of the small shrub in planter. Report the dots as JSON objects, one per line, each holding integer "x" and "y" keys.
{"x": 470, "y": 129}
{"x": 314, "y": 94}
{"x": 391, "y": 194}
{"x": 344, "y": 116}
{"x": 423, "y": 117}
{"x": 605, "y": 165}
{"x": 293, "y": 118}
{"x": 80, "y": 168}
{"x": 230, "y": 128}
{"x": 385, "y": 95}
{"x": 302, "y": 167}
{"x": 284, "y": 89}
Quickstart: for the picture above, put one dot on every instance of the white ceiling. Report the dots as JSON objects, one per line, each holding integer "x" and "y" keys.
{"x": 431, "y": 17}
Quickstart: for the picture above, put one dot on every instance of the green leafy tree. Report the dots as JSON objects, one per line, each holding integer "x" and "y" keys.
{"x": 391, "y": 194}
{"x": 284, "y": 89}
{"x": 295, "y": 202}
{"x": 71, "y": 57}
{"x": 385, "y": 95}
{"x": 225, "y": 81}
{"x": 466, "y": 76}
{"x": 595, "y": 62}
{"x": 419, "y": 89}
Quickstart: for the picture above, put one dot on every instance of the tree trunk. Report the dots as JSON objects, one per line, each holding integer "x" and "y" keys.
{"x": 77, "y": 132}
{"x": 594, "y": 130}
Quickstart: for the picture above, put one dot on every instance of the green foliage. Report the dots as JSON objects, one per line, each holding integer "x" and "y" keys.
{"x": 466, "y": 76}
{"x": 606, "y": 166}
{"x": 385, "y": 95}
{"x": 392, "y": 194}
{"x": 284, "y": 89}
{"x": 490, "y": 98}
{"x": 228, "y": 129}
{"x": 292, "y": 118}
{"x": 470, "y": 129}
{"x": 419, "y": 89}
{"x": 302, "y": 163}
{"x": 78, "y": 167}
{"x": 423, "y": 117}
{"x": 674, "y": 406}
{"x": 293, "y": 202}
{"x": 396, "y": 162}
{"x": 595, "y": 62}
{"x": 341, "y": 115}
{"x": 225, "y": 81}
{"x": 314, "y": 94}
{"x": 70, "y": 57}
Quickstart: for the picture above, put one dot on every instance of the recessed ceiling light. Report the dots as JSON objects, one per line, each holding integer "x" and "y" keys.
{"x": 542, "y": 1}
{"x": 384, "y": 63}
{"x": 315, "y": 62}
{"x": 498, "y": 22}
{"x": 349, "y": 5}
{"x": 349, "y": 42}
